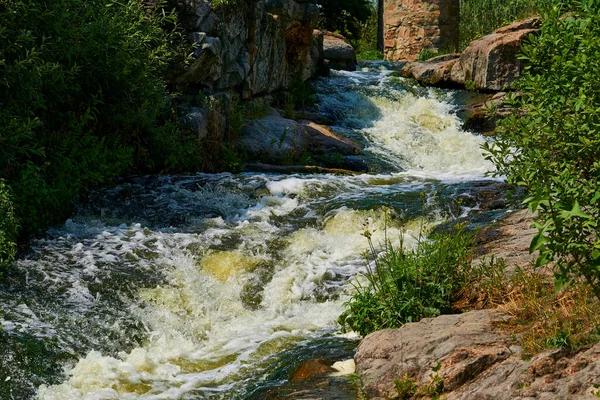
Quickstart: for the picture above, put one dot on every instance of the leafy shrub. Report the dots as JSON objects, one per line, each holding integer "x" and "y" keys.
{"x": 407, "y": 285}
{"x": 551, "y": 146}
{"x": 9, "y": 226}
{"x": 345, "y": 16}
{"x": 81, "y": 90}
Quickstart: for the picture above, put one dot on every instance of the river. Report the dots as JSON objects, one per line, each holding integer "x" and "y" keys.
{"x": 215, "y": 286}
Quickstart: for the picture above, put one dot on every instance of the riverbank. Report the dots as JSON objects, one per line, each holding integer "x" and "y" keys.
{"x": 483, "y": 353}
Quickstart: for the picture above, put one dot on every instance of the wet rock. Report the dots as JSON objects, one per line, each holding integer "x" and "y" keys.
{"x": 338, "y": 53}
{"x": 412, "y": 26}
{"x": 277, "y": 140}
{"x": 491, "y": 63}
{"x": 320, "y": 388}
{"x": 354, "y": 163}
{"x": 310, "y": 369}
{"x": 325, "y": 141}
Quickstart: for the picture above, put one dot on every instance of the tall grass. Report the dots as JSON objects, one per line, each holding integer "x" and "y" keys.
{"x": 407, "y": 285}
{"x": 480, "y": 17}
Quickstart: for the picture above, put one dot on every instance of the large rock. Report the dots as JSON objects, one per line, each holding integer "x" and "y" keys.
{"x": 256, "y": 46}
{"x": 274, "y": 139}
{"x": 338, "y": 53}
{"x": 434, "y": 72}
{"x": 465, "y": 357}
{"x": 491, "y": 63}
{"x": 411, "y": 26}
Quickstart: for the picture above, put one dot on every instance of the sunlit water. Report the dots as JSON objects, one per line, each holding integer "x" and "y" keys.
{"x": 213, "y": 286}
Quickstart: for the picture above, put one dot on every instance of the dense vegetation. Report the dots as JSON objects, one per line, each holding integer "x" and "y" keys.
{"x": 83, "y": 98}
{"x": 345, "y": 16}
{"x": 356, "y": 20}
{"x": 480, "y": 17}
{"x": 552, "y": 145}
{"x": 407, "y": 285}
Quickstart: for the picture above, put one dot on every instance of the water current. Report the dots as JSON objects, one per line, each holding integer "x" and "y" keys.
{"x": 215, "y": 286}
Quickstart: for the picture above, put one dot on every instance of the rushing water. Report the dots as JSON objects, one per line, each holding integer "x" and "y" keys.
{"x": 213, "y": 286}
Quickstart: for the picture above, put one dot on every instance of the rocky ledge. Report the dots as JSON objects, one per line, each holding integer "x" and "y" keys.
{"x": 464, "y": 356}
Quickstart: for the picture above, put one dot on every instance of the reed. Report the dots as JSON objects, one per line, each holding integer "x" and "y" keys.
{"x": 480, "y": 17}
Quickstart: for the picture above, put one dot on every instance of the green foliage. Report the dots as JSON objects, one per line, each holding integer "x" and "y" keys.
{"x": 81, "y": 91}
{"x": 429, "y": 53}
{"x": 345, "y": 16}
{"x": 407, "y": 285}
{"x": 480, "y": 17}
{"x": 9, "y": 225}
{"x": 365, "y": 43}
{"x": 405, "y": 387}
{"x": 552, "y": 145}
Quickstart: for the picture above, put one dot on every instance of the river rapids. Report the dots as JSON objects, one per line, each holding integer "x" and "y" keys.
{"x": 213, "y": 286}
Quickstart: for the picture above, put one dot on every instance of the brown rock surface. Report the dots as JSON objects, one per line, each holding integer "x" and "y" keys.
{"x": 491, "y": 63}
{"x": 433, "y": 72}
{"x": 310, "y": 369}
{"x": 475, "y": 360}
{"x": 413, "y": 25}
{"x": 511, "y": 239}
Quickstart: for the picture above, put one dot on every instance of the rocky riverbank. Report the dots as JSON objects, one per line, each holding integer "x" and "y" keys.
{"x": 467, "y": 356}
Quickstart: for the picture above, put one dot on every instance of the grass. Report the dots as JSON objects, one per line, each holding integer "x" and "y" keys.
{"x": 543, "y": 316}
{"x": 437, "y": 277}
{"x": 407, "y": 285}
{"x": 481, "y": 17}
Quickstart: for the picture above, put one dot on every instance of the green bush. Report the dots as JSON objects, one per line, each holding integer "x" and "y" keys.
{"x": 9, "y": 226}
{"x": 407, "y": 285}
{"x": 551, "y": 144}
{"x": 82, "y": 90}
{"x": 345, "y": 16}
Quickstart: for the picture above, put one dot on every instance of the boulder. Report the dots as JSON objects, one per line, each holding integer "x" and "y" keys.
{"x": 464, "y": 357}
{"x": 491, "y": 63}
{"x": 478, "y": 118}
{"x": 323, "y": 140}
{"x": 273, "y": 139}
{"x": 310, "y": 369}
{"x": 338, "y": 53}
{"x": 277, "y": 140}
{"x": 433, "y": 72}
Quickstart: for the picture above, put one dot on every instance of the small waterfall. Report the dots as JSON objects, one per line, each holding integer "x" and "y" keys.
{"x": 194, "y": 286}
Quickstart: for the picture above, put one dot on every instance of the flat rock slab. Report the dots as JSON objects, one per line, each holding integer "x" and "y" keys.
{"x": 475, "y": 362}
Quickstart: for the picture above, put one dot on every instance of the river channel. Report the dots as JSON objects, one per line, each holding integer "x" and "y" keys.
{"x": 216, "y": 285}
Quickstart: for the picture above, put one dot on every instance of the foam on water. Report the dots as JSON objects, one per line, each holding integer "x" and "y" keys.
{"x": 201, "y": 331}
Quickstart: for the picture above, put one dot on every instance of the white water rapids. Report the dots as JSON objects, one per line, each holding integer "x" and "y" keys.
{"x": 192, "y": 286}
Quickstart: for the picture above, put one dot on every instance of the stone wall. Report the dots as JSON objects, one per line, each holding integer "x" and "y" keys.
{"x": 253, "y": 47}
{"x": 413, "y": 25}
